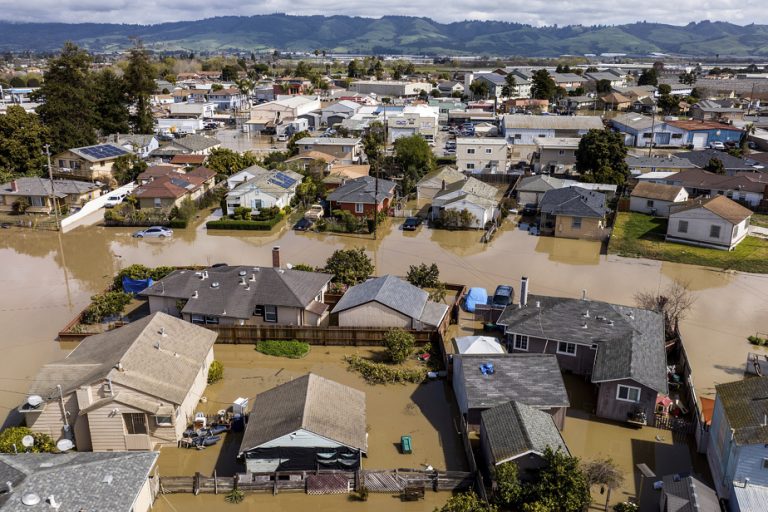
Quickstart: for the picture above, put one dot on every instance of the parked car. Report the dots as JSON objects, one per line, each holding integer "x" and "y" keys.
{"x": 411, "y": 223}
{"x": 282, "y": 138}
{"x": 717, "y": 145}
{"x": 114, "y": 200}
{"x": 315, "y": 212}
{"x": 154, "y": 232}
{"x": 303, "y": 225}
{"x": 503, "y": 295}
{"x": 211, "y": 126}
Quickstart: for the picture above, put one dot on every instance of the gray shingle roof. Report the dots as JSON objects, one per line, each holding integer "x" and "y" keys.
{"x": 731, "y": 163}
{"x": 108, "y": 482}
{"x": 319, "y": 405}
{"x": 689, "y": 495}
{"x": 533, "y": 379}
{"x": 396, "y": 294}
{"x": 263, "y": 286}
{"x": 327, "y": 141}
{"x": 146, "y": 368}
{"x": 471, "y": 186}
{"x": 363, "y": 190}
{"x": 514, "y": 429}
{"x": 630, "y": 341}
{"x": 574, "y": 201}
{"x": 745, "y": 403}
{"x": 193, "y": 142}
{"x": 539, "y": 183}
{"x": 42, "y": 187}
{"x": 668, "y": 161}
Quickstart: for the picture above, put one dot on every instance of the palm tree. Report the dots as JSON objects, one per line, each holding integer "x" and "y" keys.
{"x": 245, "y": 85}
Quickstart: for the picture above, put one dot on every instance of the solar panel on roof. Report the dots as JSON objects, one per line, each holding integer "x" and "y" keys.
{"x": 282, "y": 180}
{"x": 103, "y": 151}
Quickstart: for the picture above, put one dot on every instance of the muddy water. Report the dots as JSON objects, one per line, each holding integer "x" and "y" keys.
{"x": 47, "y": 278}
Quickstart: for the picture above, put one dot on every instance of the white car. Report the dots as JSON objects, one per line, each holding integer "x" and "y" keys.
{"x": 114, "y": 200}
{"x": 717, "y": 145}
{"x": 154, "y": 232}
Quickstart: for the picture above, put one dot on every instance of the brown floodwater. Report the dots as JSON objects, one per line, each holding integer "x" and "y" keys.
{"x": 48, "y": 277}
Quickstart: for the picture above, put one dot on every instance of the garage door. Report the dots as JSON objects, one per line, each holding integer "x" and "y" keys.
{"x": 699, "y": 140}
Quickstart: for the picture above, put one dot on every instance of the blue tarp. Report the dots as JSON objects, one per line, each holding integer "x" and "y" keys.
{"x": 136, "y": 285}
{"x": 474, "y": 297}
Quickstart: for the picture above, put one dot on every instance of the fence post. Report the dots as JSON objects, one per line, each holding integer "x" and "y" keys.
{"x": 215, "y": 483}
{"x": 196, "y": 483}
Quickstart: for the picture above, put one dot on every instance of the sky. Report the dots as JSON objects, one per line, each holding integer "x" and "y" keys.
{"x": 534, "y": 12}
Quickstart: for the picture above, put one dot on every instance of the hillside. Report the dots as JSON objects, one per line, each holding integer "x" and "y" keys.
{"x": 396, "y": 34}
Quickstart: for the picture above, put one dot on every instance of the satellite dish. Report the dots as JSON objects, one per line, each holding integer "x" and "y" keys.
{"x": 28, "y": 441}
{"x": 30, "y": 499}
{"x": 65, "y": 445}
{"x": 34, "y": 400}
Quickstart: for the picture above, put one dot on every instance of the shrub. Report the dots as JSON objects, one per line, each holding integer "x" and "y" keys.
{"x": 105, "y": 305}
{"x": 234, "y": 496}
{"x": 254, "y": 225}
{"x": 283, "y": 348}
{"x": 378, "y": 373}
{"x": 362, "y": 494}
{"x": 215, "y": 372}
{"x": 178, "y": 223}
{"x": 304, "y": 267}
{"x": 13, "y": 436}
{"x": 423, "y": 276}
{"x": 399, "y": 345}
{"x": 140, "y": 272}
{"x": 20, "y": 205}
{"x": 350, "y": 266}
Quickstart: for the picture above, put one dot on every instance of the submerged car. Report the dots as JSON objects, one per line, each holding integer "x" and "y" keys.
{"x": 303, "y": 225}
{"x": 154, "y": 232}
{"x": 411, "y": 223}
{"x": 503, "y": 295}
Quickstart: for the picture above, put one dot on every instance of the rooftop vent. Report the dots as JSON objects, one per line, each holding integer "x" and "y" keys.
{"x": 242, "y": 280}
{"x": 585, "y": 314}
{"x": 194, "y": 294}
{"x": 242, "y": 273}
{"x": 107, "y": 479}
{"x": 253, "y": 276}
{"x": 53, "y": 503}
{"x": 584, "y": 325}
{"x": 30, "y": 499}
{"x": 162, "y": 332}
{"x": 215, "y": 284}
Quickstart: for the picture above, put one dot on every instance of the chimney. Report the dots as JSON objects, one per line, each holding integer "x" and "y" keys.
{"x": 583, "y": 294}
{"x": 442, "y": 186}
{"x": 14, "y": 186}
{"x": 276, "y": 256}
{"x": 524, "y": 291}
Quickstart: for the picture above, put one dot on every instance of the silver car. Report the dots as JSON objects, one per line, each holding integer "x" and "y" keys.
{"x": 154, "y": 232}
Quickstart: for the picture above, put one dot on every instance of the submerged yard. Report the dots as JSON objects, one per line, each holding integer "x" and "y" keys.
{"x": 642, "y": 236}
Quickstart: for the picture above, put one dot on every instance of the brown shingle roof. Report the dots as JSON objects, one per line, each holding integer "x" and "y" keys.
{"x": 657, "y": 191}
{"x": 169, "y": 187}
{"x": 189, "y": 159}
{"x": 721, "y": 206}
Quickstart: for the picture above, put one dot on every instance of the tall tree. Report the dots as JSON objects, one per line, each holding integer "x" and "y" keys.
{"x": 140, "y": 84}
{"x": 601, "y": 157}
{"x": 22, "y": 137}
{"x": 674, "y": 302}
{"x": 543, "y": 87}
{"x": 510, "y": 86}
{"x": 415, "y": 158}
{"x": 68, "y": 109}
{"x": 479, "y": 89}
{"x": 111, "y": 100}
{"x": 648, "y": 77}
{"x": 561, "y": 484}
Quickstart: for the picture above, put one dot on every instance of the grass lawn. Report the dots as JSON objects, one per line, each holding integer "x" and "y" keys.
{"x": 642, "y": 236}
{"x": 759, "y": 219}
{"x": 283, "y": 348}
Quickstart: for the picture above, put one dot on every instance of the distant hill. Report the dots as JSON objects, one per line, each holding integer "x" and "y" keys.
{"x": 396, "y": 34}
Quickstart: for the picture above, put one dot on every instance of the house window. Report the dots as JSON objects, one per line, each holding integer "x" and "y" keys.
{"x": 569, "y": 349}
{"x": 542, "y": 135}
{"x": 198, "y": 319}
{"x": 135, "y": 422}
{"x": 62, "y": 163}
{"x": 211, "y": 320}
{"x": 521, "y": 342}
{"x": 359, "y": 207}
{"x": 258, "y": 311}
{"x": 628, "y": 393}
{"x": 677, "y": 135}
{"x": 765, "y": 463}
{"x": 682, "y": 226}
{"x": 164, "y": 421}
{"x": 158, "y": 202}
{"x": 649, "y": 203}
{"x": 488, "y": 151}
{"x": 470, "y": 151}
{"x": 470, "y": 166}
{"x": 714, "y": 231}
{"x": 270, "y": 314}
{"x": 518, "y": 136}
{"x": 576, "y": 223}
{"x": 256, "y": 204}
{"x": 561, "y": 152}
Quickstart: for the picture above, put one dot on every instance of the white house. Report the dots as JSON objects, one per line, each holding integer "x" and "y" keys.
{"x": 474, "y": 154}
{"x": 524, "y": 129}
{"x": 246, "y": 174}
{"x": 655, "y": 199}
{"x": 265, "y": 190}
{"x": 337, "y": 112}
{"x": 413, "y": 120}
{"x": 472, "y": 195}
{"x": 715, "y": 222}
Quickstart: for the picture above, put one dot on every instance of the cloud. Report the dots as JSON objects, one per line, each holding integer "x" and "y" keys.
{"x": 534, "y": 12}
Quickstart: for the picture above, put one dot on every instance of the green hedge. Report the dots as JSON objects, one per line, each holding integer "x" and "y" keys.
{"x": 255, "y": 225}
{"x": 283, "y": 348}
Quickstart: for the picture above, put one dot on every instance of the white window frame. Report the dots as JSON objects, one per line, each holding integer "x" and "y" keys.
{"x": 488, "y": 151}
{"x": 359, "y": 208}
{"x": 521, "y": 342}
{"x": 575, "y": 222}
{"x": 160, "y": 420}
{"x": 270, "y": 314}
{"x": 470, "y": 167}
{"x": 565, "y": 352}
{"x": 629, "y": 389}
{"x": 158, "y": 202}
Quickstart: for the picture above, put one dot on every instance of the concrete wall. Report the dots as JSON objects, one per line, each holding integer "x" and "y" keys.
{"x": 374, "y": 314}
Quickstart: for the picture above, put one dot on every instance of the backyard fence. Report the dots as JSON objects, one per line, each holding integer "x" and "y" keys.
{"x": 330, "y": 336}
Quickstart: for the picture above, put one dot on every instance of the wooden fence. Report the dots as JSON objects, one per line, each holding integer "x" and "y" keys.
{"x": 344, "y": 336}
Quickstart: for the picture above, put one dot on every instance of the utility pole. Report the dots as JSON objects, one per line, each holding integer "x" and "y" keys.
{"x": 53, "y": 193}
{"x": 653, "y": 127}
{"x": 376, "y": 181}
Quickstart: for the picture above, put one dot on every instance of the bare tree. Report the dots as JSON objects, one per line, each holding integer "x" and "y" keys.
{"x": 673, "y": 302}
{"x": 605, "y": 473}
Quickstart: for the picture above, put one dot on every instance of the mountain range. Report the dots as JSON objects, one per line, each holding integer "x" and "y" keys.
{"x": 396, "y": 35}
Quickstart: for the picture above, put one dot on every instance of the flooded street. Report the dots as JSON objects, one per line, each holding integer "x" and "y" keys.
{"x": 47, "y": 278}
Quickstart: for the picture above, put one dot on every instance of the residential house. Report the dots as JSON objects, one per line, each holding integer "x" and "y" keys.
{"x": 494, "y": 82}
{"x": 569, "y": 81}
{"x": 37, "y": 194}
{"x": 481, "y": 154}
{"x": 335, "y": 113}
{"x": 655, "y": 198}
{"x": 228, "y": 99}
{"x": 700, "y": 134}
{"x": 531, "y": 189}
{"x": 614, "y": 101}
{"x": 485, "y": 381}
{"x": 307, "y": 423}
{"x": 715, "y": 222}
{"x": 140, "y": 144}
{"x": 188, "y": 160}
{"x": 478, "y": 345}
{"x": 738, "y": 444}
{"x": 389, "y": 301}
{"x": 571, "y": 103}
{"x": 450, "y": 88}
{"x": 747, "y": 189}
{"x": 445, "y": 105}
{"x": 242, "y": 176}
{"x": 265, "y": 190}
{"x": 521, "y": 89}
{"x": 573, "y": 212}
{"x": 555, "y": 155}
{"x": 90, "y": 163}
{"x": 437, "y": 180}
{"x": 616, "y": 77}
{"x": 641, "y": 165}
{"x": 192, "y": 144}
{"x": 364, "y": 196}
{"x": 186, "y": 117}
{"x": 516, "y": 432}
{"x": 680, "y": 493}
{"x": 337, "y": 175}
{"x": 291, "y": 86}
{"x": 732, "y": 165}
{"x": 620, "y": 349}
{"x": 243, "y": 295}
{"x": 208, "y": 176}
{"x": 275, "y": 116}
{"x": 640, "y": 131}
{"x": 472, "y": 195}
{"x": 165, "y": 192}
{"x": 76, "y": 481}
{"x": 413, "y": 120}
{"x": 390, "y": 88}
{"x": 714, "y": 110}
{"x": 113, "y": 391}
{"x": 343, "y": 150}
{"x": 524, "y": 129}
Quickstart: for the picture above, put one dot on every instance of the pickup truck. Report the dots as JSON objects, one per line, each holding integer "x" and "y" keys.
{"x": 315, "y": 212}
